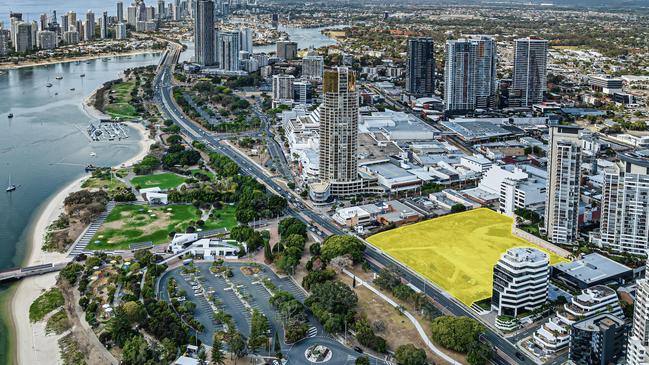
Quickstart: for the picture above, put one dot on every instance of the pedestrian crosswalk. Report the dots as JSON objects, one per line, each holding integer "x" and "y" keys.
{"x": 79, "y": 246}
{"x": 312, "y": 332}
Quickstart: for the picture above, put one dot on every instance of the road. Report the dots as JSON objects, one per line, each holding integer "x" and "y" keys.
{"x": 506, "y": 351}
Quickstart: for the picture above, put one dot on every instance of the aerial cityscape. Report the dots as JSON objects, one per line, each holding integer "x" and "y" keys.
{"x": 278, "y": 182}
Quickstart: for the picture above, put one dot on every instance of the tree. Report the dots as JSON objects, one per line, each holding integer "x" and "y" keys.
{"x": 456, "y": 333}
{"x": 457, "y": 208}
{"x": 218, "y": 357}
{"x": 134, "y": 311}
{"x": 479, "y": 354}
{"x": 268, "y": 253}
{"x": 120, "y": 327}
{"x": 362, "y": 360}
{"x": 277, "y": 347}
{"x": 135, "y": 351}
{"x": 335, "y": 246}
{"x": 332, "y": 302}
{"x": 410, "y": 355}
{"x": 237, "y": 345}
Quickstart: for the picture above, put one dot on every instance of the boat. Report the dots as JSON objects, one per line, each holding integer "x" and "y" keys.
{"x": 83, "y": 75}
{"x": 91, "y": 167}
{"x": 72, "y": 89}
{"x": 59, "y": 77}
{"x": 48, "y": 85}
{"x": 10, "y": 115}
{"x": 104, "y": 60}
{"x": 92, "y": 154}
{"x": 11, "y": 187}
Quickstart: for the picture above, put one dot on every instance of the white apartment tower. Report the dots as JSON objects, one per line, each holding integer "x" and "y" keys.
{"x": 563, "y": 184}
{"x": 470, "y": 74}
{"x": 120, "y": 30}
{"x": 638, "y": 349}
{"x": 520, "y": 281}
{"x": 529, "y": 78}
{"x": 89, "y": 27}
{"x": 625, "y": 204}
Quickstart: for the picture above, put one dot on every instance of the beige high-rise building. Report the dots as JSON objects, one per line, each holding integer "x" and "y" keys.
{"x": 638, "y": 349}
{"x": 338, "y": 168}
{"x": 563, "y": 184}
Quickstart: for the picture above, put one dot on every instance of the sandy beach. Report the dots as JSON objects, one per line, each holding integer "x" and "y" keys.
{"x": 33, "y": 345}
{"x": 54, "y": 61}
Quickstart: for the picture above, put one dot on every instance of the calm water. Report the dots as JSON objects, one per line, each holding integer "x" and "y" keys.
{"x": 43, "y": 148}
{"x": 305, "y": 38}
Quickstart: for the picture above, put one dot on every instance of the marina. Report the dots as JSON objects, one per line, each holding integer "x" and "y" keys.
{"x": 107, "y": 131}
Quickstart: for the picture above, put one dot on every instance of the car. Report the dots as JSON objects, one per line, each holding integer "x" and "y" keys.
{"x": 358, "y": 349}
{"x": 520, "y": 356}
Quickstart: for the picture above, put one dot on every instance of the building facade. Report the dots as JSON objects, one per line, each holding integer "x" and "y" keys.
{"x": 600, "y": 340}
{"x": 286, "y": 50}
{"x": 625, "y": 204}
{"x": 520, "y": 281}
{"x": 312, "y": 66}
{"x": 89, "y": 27}
{"x": 529, "y": 78}
{"x": 420, "y": 67}
{"x": 470, "y": 74}
{"x": 227, "y": 50}
{"x": 339, "y": 133}
{"x": 563, "y": 188}
{"x": 638, "y": 347}
{"x": 282, "y": 88}
{"x": 204, "y": 53}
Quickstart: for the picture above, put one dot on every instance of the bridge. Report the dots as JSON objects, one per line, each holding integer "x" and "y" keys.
{"x": 23, "y": 272}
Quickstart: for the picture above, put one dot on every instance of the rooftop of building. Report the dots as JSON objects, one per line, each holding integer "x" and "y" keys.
{"x": 638, "y": 157}
{"x": 525, "y": 254}
{"x": 388, "y": 170}
{"x": 600, "y": 322}
{"x": 592, "y": 268}
{"x": 475, "y": 129}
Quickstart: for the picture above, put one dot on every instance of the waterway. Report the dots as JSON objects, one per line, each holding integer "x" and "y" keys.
{"x": 44, "y": 146}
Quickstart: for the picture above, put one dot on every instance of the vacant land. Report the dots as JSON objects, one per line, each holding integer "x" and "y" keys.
{"x": 164, "y": 181}
{"x": 120, "y": 106}
{"x": 128, "y": 224}
{"x": 457, "y": 251}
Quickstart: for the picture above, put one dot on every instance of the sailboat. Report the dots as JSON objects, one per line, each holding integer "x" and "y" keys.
{"x": 11, "y": 187}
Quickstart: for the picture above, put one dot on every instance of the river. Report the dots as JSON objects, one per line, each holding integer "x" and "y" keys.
{"x": 44, "y": 147}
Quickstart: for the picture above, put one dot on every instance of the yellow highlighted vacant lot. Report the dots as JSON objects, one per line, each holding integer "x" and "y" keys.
{"x": 457, "y": 251}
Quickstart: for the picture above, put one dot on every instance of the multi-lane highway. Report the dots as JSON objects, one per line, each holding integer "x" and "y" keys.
{"x": 507, "y": 353}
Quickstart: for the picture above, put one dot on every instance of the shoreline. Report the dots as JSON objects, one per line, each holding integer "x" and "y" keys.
{"x": 30, "y": 344}
{"x": 11, "y": 66}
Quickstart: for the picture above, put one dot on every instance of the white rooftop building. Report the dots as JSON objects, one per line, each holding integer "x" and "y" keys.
{"x": 520, "y": 281}
{"x": 518, "y": 187}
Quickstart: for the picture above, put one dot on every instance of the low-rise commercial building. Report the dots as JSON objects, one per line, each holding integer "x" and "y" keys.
{"x": 592, "y": 269}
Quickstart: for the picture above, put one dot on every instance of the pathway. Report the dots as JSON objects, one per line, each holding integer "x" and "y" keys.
{"x": 412, "y": 319}
{"x": 82, "y": 242}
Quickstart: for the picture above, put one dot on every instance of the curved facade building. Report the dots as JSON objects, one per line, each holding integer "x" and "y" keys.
{"x": 520, "y": 281}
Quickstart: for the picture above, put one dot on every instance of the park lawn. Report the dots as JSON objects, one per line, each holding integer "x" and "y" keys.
{"x": 121, "y": 106}
{"x": 204, "y": 172}
{"x": 129, "y": 223}
{"x": 101, "y": 183}
{"x": 457, "y": 251}
{"x": 226, "y": 219}
{"x": 44, "y": 304}
{"x": 164, "y": 181}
